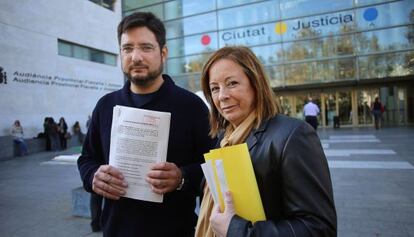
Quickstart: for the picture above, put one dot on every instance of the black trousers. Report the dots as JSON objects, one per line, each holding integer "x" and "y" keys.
{"x": 313, "y": 121}
{"x": 96, "y": 211}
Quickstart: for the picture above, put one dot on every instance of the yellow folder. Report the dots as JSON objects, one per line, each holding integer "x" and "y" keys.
{"x": 235, "y": 163}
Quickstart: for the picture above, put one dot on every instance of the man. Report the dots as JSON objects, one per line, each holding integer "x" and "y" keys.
{"x": 142, "y": 48}
{"x": 311, "y": 112}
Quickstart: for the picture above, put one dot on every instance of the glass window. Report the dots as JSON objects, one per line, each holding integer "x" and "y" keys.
{"x": 156, "y": 9}
{"x": 248, "y": 15}
{"x": 324, "y": 71}
{"x": 275, "y": 74}
{"x": 385, "y": 40}
{"x": 110, "y": 59}
{"x": 330, "y": 46}
{"x": 133, "y": 4}
{"x": 176, "y": 47}
{"x": 386, "y": 65}
{"x": 85, "y": 53}
{"x": 327, "y": 47}
{"x": 177, "y": 66}
{"x": 369, "y": 2}
{"x": 191, "y": 25}
{"x": 298, "y": 73}
{"x": 344, "y": 45}
{"x": 374, "y": 66}
{"x": 190, "y": 82}
{"x": 64, "y": 49}
{"x": 80, "y": 52}
{"x": 269, "y": 54}
{"x": 97, "y": 56}
{"x": 322, "y": 25}
{"x": 180, "y": 8}
{"x": 390, "y": 14}
{"x": 300, "y": 50}
{"x": 295, "y": 8}
{"x": 192, "y": 45}
{"x": 249, "y": 36}
{"x": 229, "y": 3}
{"x": 109, "y": 4}
{"x": 345, "y": 69}
{"x": 174, "y": 29}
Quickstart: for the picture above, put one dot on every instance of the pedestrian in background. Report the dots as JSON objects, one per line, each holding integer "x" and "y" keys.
{"x": 18, "y": 137}
{"x": 46, "y": 134}
{"x": 63, "y": 133}
{"x": 377, "y": 109}
{"x": 52, "y": 130}
{"x": 77, "y": 131}
{"x": 311, "y": 112}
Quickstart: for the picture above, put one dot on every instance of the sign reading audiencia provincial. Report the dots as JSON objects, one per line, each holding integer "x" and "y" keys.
{"x": 43, "y": 79}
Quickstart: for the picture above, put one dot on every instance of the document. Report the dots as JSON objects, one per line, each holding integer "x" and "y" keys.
{"x": 230, "y": 169}
{"x": 139, "y": 138}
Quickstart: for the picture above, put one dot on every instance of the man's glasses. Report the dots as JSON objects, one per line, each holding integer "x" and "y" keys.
{"x": 144, "y": 48}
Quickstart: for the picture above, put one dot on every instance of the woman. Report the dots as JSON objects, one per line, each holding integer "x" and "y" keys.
{"x": 377, "y": 110}
{"x": 62, "y": 130}
{"x": 46, "y": 132}
{"x": 52, "y": 131}
{"x": 290, "y": 167}
{"x": 76, "y": 129}
{"x": 18, "y": 137}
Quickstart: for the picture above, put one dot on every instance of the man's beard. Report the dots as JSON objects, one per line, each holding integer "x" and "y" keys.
{"x": 145, "y": 80}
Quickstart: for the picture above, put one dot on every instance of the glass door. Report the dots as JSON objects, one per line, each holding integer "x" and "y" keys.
{"x": 394, "y": 100}
{"x": 401, "y": 103}
{"x": 345, "y": 107}
{"x": 365, "y": 98}
{"x": 286, "y": 103}
{"x": 302, "y": 99}
{"x": 330, "y": 108}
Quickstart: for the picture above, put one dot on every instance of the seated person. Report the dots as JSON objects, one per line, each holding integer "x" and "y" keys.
{"x": 18, "y": 137}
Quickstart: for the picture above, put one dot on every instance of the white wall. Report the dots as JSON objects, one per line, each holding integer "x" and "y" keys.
{"x": 68, "y": 87}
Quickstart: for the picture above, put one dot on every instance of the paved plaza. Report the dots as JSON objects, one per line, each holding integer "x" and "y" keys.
{"x": 372, "y": 173}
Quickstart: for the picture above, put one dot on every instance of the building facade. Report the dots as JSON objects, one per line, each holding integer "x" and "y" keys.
{"x": 57, "y": 59}
{"x": 342, "y": 53}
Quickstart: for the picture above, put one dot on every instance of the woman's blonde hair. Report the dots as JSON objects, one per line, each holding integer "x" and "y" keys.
{"x": 265, "y": 101}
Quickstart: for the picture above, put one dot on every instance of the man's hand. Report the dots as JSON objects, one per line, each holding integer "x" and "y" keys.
{"x": 164, "y": 177}
{"x": 220, "y": 221}
{"x": 109, "y": 182}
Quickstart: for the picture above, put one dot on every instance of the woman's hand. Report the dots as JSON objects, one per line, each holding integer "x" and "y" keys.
{"x": 220, "y": 221}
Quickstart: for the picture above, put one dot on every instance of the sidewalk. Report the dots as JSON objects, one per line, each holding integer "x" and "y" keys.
{"x": 35, "y": 198}
{"x": 372, "y": 174}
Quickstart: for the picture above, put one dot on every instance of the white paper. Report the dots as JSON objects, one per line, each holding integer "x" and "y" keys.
{"x": 139, "y": 138}
{"x": 208, "y": 173}
{"x": 221, "y": 177}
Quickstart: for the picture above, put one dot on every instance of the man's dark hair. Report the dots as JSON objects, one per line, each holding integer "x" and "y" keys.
{"x": 143, "y": 19}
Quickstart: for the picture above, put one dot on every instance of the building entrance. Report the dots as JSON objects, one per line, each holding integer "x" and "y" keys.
{"x": 352, "y": 105}
{"x": 394, "y": 98}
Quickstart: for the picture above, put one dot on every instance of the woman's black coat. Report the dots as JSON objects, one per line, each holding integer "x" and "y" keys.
{"x": 294, "y": 182}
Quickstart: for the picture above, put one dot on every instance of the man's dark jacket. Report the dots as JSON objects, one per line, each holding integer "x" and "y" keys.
{"x": 188, "y": 141}
{"x": 294, "y": 182}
